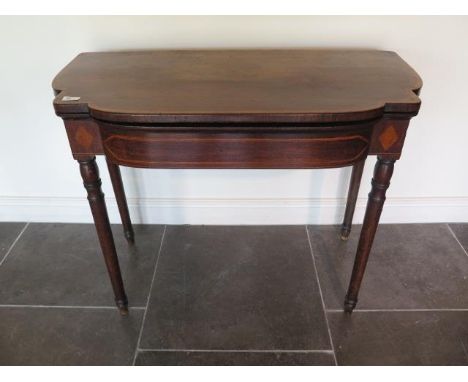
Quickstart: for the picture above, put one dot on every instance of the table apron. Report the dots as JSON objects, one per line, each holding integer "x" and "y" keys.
{"x": 145, "y": 148}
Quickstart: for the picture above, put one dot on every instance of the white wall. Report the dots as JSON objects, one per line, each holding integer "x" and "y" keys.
{"x": 39, "y": 181}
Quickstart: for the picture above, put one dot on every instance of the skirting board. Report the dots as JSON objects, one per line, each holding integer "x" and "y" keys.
{"x": 234, "y": 211}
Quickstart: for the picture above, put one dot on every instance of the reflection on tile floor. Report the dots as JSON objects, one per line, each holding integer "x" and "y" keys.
{"x": 412, "y": 266}
{"x": 66, "y": 262}
{"x": 401, "y": 337}
{"x": 67, "y": 336}
{"x": 238, "y": 358}
{"x": 235, "y": 288}
{"x": 221, "y": 295}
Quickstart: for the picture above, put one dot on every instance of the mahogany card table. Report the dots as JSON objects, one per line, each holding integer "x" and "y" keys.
{"x": 237, "y": 109}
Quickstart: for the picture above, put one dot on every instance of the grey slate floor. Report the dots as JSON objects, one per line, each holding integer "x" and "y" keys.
{"x": 233, "y": 295}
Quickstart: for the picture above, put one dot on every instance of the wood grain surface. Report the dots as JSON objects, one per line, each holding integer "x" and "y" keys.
{"x": 224, "y": 86}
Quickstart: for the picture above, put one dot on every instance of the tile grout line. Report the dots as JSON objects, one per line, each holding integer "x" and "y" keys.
{"x": 399, "y": 310}
{"x": 66, "y": 306}
{"x": 321, "y": 295}
{"x": 14, "y": 242}
{"x": 148, "y": 298}
{"x": 236, "y": 351}
{"x": 456, "y": 238}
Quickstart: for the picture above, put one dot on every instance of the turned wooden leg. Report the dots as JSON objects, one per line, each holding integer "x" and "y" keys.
{"x": 90, "y": 174}
{"x": 382, "y": 174}
{"x": 116, "y": 179}
{"x": 353, "y": 191}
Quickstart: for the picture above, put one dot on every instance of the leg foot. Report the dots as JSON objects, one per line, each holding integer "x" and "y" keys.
{"x": 345, "y": 231}
{"x": 349, "y": 305}
{"x": 123, "y": 307}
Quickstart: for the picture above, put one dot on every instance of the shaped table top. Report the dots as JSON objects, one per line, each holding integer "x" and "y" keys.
{"x": 237, "y": 86}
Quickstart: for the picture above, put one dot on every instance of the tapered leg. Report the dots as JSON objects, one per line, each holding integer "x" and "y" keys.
{"x": 353, "y": 191}
{"x": 90, "y": 174}
{"x": 119, "y": 192}
{"x": 382, "y": 174}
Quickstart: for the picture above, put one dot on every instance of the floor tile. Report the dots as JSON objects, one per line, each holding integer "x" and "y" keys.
{"x": 411, "y": 266}
{"x": 8, "y": 234}
{"x": 461, "y": 232}
{"x": 62, "y": 264}
{"x": 57, "y": 336}
{"x": 202, "y": 358}
{"x": 238, "y": 288}
{"x": 400, "y": 338}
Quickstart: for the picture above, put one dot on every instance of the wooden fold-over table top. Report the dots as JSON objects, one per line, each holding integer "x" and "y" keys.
{"x": 219, "y": 86}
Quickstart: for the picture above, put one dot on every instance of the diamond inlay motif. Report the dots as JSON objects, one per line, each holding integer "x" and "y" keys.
{"x": 84, "y": 137}
{"x": 388, "y": 137}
